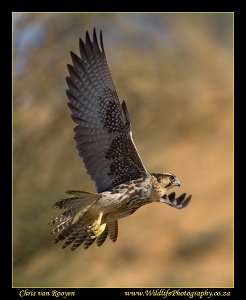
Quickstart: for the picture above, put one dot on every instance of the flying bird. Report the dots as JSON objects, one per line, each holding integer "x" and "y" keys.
{"x": 104, "y": 141}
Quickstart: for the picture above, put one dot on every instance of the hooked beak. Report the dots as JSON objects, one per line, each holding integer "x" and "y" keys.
{"x": 177, "y": 183}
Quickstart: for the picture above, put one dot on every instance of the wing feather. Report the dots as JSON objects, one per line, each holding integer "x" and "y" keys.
{"x": 103, "y": 131}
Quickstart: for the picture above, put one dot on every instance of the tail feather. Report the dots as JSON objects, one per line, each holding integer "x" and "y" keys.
{"x": 65, "y": 233}
{"x": 113, "y": 230}
{"x": 80, "y": 222}
{"x": 102, "y": 237}
{"x": 79, "y": 230}
{"x": 87, "y": 243}
{"x": 80, "y": 238}
{"x": 61, "y": 227}
{"x": 68, "y": 214}
{"x": 81, "y": 199}
{"x": 69, "y": 203}
{"x": 78, "y": 193}
{"x": 76, "y": 216}
{"x": 72, "y": 231}
{"x": 74, "y": 205}
{"x": 72, "y": 238}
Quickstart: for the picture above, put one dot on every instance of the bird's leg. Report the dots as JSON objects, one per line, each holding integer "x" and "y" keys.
{"x": 96, "y": 228}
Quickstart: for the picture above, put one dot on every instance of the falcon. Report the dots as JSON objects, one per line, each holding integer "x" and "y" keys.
{"x": 104, "y": 141}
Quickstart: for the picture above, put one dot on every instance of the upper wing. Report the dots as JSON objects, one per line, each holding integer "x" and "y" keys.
{"x": 103, "y": 134}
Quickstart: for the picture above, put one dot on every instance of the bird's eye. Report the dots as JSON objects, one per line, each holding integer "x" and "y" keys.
{"x": 172, "y": 178}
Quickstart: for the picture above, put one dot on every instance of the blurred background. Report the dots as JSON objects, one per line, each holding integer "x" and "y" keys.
{"x": 175, "y": 71}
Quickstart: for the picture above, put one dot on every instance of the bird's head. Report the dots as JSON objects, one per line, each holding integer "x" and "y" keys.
{"x": 167, "y": 180}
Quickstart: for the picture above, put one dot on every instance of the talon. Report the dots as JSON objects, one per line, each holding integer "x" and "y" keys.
{"x": 98, "y": 231}
{"x": 96, "y": 228}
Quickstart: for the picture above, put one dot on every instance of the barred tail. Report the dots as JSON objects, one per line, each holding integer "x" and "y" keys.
{"x": 79, "y": 223}
{"x": 77, "y": 215}
{"x": 111, "y": 230}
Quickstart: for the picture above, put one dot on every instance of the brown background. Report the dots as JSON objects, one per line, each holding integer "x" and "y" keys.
{"x": 175, "y": 72}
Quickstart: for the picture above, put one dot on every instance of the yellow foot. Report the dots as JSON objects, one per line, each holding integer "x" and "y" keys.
{"x": 97, "y": 232}
{"x": 96, "y": 228}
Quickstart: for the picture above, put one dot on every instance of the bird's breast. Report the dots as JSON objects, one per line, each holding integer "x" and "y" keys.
{"x": 158, "y": 191}
{"x": 130, "y": 195}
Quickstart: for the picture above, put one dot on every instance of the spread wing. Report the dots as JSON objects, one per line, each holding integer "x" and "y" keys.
{"x": 103, "y": 132}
